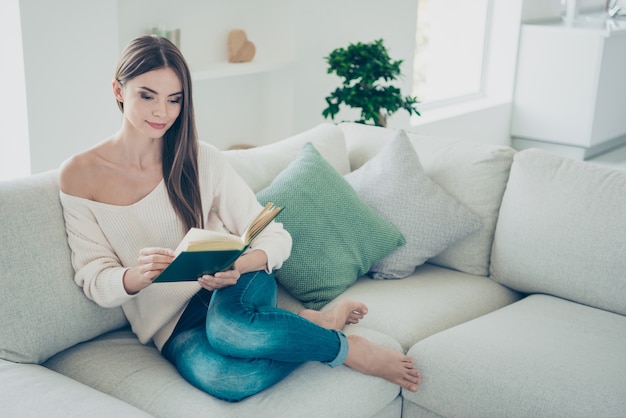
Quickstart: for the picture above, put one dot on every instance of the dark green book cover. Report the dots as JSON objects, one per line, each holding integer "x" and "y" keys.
{"x": 189, "y": 265}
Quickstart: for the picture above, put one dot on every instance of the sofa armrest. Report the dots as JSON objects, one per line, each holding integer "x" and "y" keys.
{"x": 28, "y": 390}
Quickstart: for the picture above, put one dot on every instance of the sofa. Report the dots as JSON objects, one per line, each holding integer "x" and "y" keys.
{"x": 518, "y": 311}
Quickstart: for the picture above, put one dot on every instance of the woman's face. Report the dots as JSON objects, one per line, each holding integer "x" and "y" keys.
{"x": 152, "y": 101}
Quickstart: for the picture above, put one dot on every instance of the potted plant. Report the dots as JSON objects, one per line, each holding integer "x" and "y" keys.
{"x": 367, "y": 69}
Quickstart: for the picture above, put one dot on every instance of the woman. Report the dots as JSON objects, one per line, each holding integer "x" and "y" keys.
{"x": 131, "y": 198}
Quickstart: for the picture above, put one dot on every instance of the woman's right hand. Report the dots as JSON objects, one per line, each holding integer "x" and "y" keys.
{"x": 151, "y": 262}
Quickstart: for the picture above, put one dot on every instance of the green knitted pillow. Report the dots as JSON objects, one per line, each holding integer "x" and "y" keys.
{"x": 336, "y": 236}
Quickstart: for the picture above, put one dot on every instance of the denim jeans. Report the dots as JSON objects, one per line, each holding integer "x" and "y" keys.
{"x": 244, "y": 343}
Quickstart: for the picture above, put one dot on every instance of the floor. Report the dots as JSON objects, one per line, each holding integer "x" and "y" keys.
{"x": 614, "y": 159}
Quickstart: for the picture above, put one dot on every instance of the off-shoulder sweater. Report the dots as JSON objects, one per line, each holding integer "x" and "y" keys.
{"x": 105, "y": 241}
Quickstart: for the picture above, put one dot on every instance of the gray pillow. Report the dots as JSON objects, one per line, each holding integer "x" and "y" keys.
{"x": 393, "y": 183}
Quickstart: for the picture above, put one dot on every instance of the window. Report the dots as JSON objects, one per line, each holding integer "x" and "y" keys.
{"x": 449, "y": 50}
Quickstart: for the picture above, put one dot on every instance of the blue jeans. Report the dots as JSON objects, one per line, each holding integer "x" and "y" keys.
{"x": 244, "y": 343}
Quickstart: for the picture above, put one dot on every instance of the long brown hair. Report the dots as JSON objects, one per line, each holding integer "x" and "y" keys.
{"x": 180, "y": 142}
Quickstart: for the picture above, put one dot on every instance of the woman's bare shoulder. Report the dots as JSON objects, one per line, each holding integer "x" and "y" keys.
{"x": 77, "y": 172}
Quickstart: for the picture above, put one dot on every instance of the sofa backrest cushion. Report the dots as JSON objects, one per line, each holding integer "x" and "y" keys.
{"x": 260, "y": 165}
{"x": 42, "y": 310}
{"x": 562, "y": 231}
{"x": 474, "y": 174}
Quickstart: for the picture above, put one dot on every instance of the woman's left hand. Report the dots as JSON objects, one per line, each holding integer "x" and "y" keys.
{"x": 219, "y": 280}
{"x": 250, "y": 261}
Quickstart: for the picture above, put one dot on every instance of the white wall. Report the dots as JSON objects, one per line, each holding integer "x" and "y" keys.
{"x": 487, "y": 124}
{"x": 229, "y": 110}
{"x": 71, "y": 47}
{"x": 14, "y": 149}
{"x": 205, "y": 24}
{"x": 303, "y": 32}
{"x": 70, "y": 52}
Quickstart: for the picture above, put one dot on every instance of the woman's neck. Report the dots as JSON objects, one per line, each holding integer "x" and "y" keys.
{"x": 137, "y": 152}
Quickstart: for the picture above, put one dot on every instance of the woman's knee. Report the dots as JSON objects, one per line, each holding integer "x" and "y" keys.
{"x": 238, "y": 337}
{"x": 252, "y": 291}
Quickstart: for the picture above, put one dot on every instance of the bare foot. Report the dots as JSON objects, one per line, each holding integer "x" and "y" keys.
{"x": 375, "y": 360}
{"x": 344, "y": 312}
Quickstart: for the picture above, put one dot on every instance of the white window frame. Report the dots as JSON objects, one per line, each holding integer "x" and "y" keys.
{"x": 434, "y": 104}
{"x": 497, "y": 83}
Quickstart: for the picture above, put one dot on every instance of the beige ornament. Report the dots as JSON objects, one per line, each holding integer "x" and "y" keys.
{"x": 240, "y": 49}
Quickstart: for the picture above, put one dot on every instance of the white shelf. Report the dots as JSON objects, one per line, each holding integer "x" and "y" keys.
{"x": 227, "y": 69}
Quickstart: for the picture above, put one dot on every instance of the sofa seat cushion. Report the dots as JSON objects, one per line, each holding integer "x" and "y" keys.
{"x": 562, "y": 231}
{"x": 44, "y": 393}
{"x": 430, "y": 300}
{"x": 473, "y": 173}
{"x": 43, "y": 310}
{"x": 541, "y": 356}
{"x": 117, "y": 364}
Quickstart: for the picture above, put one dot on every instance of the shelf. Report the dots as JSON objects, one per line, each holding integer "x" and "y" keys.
{"x": 227, "y": 69}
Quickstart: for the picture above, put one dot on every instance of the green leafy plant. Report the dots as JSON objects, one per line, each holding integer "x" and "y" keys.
{"x": 367, "y": 69}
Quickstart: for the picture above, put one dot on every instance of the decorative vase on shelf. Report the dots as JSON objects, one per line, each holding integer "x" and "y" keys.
{"x": 240, "y": 49}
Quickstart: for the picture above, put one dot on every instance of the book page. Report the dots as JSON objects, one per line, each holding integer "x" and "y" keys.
{"x": 198, "y": 239}
{"x": 204, "y": 240}
{"x": 259, "y": 223}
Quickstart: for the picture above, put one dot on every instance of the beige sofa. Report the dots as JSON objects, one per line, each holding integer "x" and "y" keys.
{"x": 522, "y": 317}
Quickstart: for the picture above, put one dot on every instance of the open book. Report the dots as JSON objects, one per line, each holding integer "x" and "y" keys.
{"x": 206, "y": 252}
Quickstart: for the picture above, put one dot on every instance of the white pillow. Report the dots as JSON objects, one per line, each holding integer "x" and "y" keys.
{"x": 394, "y": 184}
{"x": 476, "y": 175}
{"x": 259, "y": 166}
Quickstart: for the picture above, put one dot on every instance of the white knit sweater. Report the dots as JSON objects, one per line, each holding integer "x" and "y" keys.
{"x": 105, "y": 240}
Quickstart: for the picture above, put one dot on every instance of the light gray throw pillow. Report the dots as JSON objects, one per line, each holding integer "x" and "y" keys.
{"x": 393, "y": 183}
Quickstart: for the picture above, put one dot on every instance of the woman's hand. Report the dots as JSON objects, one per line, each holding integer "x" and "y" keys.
{"x": 219, "y": 280}
{"x": 250, "y": 261}
{"x": 151, "y": 262}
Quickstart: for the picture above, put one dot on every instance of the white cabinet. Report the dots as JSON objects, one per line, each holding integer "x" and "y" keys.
{"x": 570, "y": 92}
